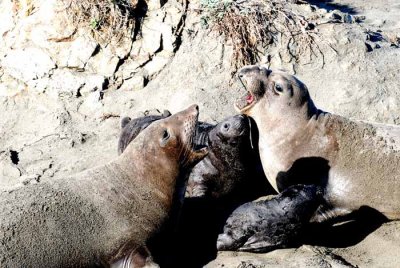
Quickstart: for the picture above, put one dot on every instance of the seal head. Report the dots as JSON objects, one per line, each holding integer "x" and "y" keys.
{"x": 274, "y": 90}
{"x": 230, "y": 154}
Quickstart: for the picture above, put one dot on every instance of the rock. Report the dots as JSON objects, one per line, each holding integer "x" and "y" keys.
{"x": 38, "y": 169}
{"x": 168, "y": 38}
{"x": 122, "y": 46}
{"x": 174, "y": 12}
{"x": 151, "y": 36}
{"x": 136, "y": 82}
{"x": 10, "y": 87}
{"x": 338, "y": 16}
{"x": 93, "y": 82}
{"x": 64, "y": 83}
{"x": 27, "y": 64}
{"x": 8, "y": 172}
{"x": 7, "y": 20}
{"x": 156, "y": 64}
{"x": 136, "y": 48}
{"x": 29, "y": 179}
{"x": 153, "y": 4}
{"x": 79, "y": 52}
{"x": 92, "y": 104}
{"x": 104, "y": 63}
{"x": 138, "y": 55}
{"x": 129, "y": 68}
{"x": 68, "y": 83}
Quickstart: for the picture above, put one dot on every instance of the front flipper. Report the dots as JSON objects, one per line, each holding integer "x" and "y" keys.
{"x": 196, "y": 155}
{"x": 327, "y": 214}
{"x": 137, "y": 258}
{"x": 258, "y": 243}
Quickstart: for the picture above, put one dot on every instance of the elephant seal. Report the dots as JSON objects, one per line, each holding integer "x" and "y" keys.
{"x": 263, "y": 226}
{"x": 231, "y": 161}
{"x": 99, "y": 215}
{"x": 356, "y": 162}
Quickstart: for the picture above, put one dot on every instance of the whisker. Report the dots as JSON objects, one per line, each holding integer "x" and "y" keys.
{"x": 251, "y": 133}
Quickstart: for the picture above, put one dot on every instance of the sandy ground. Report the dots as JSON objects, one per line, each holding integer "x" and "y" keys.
{"x": 43, "y": 138}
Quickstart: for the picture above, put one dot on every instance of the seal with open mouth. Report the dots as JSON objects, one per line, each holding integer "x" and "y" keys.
{"x": 101, "y": 214}
{"x": 356, "y": 162}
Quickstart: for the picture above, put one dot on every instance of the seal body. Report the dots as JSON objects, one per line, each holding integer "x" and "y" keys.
{"x": 267, "y": 225}
{"x": 98, "y": 215}
{"x": 356, "y": 162}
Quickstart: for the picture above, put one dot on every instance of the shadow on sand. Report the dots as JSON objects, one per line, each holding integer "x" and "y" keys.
{"x": 330, "y": 5}
{"x": 346, "y": 231}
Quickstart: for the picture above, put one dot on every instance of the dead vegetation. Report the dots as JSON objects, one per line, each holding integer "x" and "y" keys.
{"x": 252, "y": 25}
{"x": 107, "y": 18}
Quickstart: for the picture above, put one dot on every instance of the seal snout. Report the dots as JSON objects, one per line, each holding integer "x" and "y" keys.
{"x": 224, "y": 242}
{"x": 194, "y": 109}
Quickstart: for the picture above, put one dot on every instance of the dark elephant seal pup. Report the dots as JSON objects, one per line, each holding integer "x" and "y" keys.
{"x": 263, "y": 226}
{"x": 356, "y": 162}
{"x": 98, "y": 215}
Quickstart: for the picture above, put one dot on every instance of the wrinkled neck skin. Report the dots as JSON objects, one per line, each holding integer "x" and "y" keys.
{"x": 147, "y": 167}
{"x": 283, "y": 134}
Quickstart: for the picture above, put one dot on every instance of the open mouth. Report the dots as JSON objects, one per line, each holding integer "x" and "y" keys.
{"x": 247, "y": 100}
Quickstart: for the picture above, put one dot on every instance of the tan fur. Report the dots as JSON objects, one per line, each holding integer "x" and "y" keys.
{"x": 364, "y": 158}
{"x": 98, "y": 215}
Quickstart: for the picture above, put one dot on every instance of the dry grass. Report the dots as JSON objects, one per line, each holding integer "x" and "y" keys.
{"x": 252, "y": 25}
{"x": 107, "y": 18}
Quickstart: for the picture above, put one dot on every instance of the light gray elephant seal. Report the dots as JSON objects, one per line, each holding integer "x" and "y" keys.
{"x": 98, "y": 215}
{"x": 263, "y": 226}
{"x": 356, "y": 162}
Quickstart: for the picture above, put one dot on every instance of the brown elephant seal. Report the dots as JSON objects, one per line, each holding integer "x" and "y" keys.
{"x": 98, "y": 215}
{"x": 356, "y": 162}
{"x": 263, "y": 226}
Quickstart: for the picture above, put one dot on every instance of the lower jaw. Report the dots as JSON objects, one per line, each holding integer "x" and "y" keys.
{"x": 244, "y": 110}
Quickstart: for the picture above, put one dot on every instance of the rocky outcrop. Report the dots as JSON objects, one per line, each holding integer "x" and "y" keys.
{"x": 41, "y": 45}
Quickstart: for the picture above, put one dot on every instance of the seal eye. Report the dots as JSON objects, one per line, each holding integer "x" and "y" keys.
{"x": 165, "y": 135}
{"x": 164, "y": 138}
{"x": 226, "y": 126}
{"x": 278, "y": 88}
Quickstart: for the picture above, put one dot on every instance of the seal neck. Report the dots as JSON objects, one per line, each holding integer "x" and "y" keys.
{"x": 160, "y": 177}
